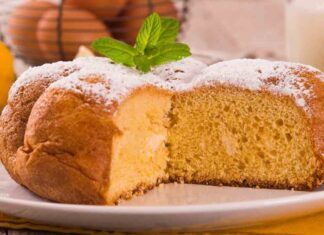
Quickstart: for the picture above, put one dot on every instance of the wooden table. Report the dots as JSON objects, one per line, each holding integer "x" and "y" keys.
{"x": 23, "y": 232}
{"x": 309, "y": 225}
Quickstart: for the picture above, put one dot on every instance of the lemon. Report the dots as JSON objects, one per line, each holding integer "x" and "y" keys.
{"x": 7, "y": 75}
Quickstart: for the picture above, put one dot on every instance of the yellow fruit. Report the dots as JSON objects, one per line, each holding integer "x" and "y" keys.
{"x": 7, "y": 75}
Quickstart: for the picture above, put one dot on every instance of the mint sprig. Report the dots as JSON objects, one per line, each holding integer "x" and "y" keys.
{"x": 155, "y": 45}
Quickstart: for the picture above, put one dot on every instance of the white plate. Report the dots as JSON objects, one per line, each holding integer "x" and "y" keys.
{"x": 168, "y": 207}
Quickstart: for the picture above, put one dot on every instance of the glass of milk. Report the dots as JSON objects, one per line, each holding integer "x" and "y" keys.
{"x": 305, "y": 32}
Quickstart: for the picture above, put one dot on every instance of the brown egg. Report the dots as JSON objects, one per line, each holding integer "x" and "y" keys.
{"x": 103, "y": 9}
{"x": 132, "y": 17}
{"x": 22, "y": 26}
{"x": 78, "y": 27}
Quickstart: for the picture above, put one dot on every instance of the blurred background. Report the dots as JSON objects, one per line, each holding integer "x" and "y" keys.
{"x": 33, "y": 32}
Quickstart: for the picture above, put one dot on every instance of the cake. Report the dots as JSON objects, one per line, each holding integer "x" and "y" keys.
{"x": 93, "y": 132}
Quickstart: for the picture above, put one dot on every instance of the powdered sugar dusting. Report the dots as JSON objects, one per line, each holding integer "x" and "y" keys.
{"x": 100, "y": 81}
{"x": 51, "y": 72}
{"x": 180, "y": 72}
{"x": 104, "y": 82}
{"x": 277, "y": 77}
{"x": 113, "y": 82}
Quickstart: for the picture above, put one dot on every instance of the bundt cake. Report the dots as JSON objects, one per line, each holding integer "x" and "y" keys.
{"x": 94, "y": 132}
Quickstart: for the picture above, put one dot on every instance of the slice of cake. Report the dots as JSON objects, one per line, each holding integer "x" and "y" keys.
{"x": 93, "y": 132}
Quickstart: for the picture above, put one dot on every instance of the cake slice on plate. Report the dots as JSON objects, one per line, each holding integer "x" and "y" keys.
{"x": 93, "y": 132}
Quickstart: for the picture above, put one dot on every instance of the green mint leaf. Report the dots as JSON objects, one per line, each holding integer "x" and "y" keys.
{"x": 149, "y": 33}
{"x": 155, "y": 45}
{"x": 117, "y": 51}
{"x": 170, "y": 52}
{"x": 169, "y": 30}
{"x": 142, "y": 63}
{"x": 151, "y": 51}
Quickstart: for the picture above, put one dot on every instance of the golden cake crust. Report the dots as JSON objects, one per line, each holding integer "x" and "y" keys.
{"x": 317, "y": 123}
{"x": 67, "y": 149}
{"x": 315, "y": 80}
{"x": 15, "y": 115}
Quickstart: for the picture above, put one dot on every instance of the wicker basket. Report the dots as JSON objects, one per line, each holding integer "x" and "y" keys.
{"x": 37, "y": 35}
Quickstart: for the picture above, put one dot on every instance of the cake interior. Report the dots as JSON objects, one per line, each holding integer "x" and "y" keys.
{"x": 139, "y": 154}
{"x": 219, "y": 136}
{"x": 233, "y": 136}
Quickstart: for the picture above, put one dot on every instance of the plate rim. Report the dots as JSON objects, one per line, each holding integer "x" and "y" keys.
{"x": 312, "y": 197}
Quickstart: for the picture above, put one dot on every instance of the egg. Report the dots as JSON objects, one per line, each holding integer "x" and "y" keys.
{"x": 103, "y": 9}
{"x": 77, "y": 27}
{"x": 134, "y": 14}
{"x": 22, "y": 26}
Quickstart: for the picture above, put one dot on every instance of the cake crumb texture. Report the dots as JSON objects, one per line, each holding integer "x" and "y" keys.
{"x": 234, "y": 136}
